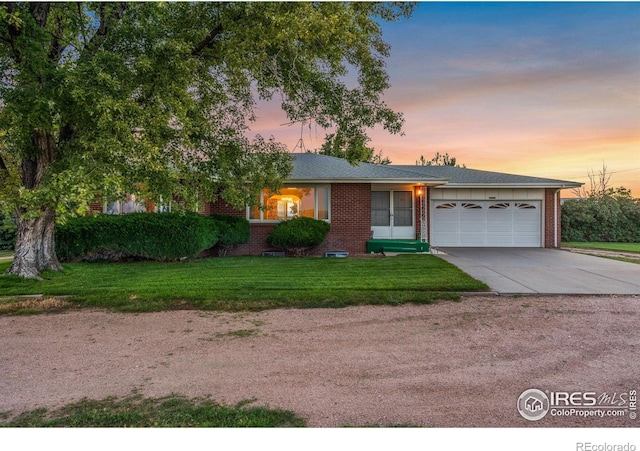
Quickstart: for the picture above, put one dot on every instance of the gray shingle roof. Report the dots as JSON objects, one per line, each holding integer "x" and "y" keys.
{"x": 314, "y": 167}
{"x": 310, "y": 167}
{"x": 465, "y": 176}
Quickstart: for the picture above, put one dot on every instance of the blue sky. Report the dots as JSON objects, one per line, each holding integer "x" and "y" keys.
{"x": 543, "y": 88}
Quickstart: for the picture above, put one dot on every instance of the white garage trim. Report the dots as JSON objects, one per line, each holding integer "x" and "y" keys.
{"x": 444, "y": 193}
{"x": 486, "y": 223}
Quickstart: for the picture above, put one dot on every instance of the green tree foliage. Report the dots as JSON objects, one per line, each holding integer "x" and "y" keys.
{"x": 439, "y": 160}
{"x": 299, "y": 235}
{"x": 157, "y": 99}
{"x": 611, "y": 215}
{"x": 354, "y": 149}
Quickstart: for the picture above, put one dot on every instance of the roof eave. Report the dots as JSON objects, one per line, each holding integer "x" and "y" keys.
{"x": 413, "y": 181}
{"x": 514, "y": 185}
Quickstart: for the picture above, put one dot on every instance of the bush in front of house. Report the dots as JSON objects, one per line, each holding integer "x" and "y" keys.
{"x": 299, "y": 235}
{"x": 154, "y": 236}
{"x": 233, "y": 230}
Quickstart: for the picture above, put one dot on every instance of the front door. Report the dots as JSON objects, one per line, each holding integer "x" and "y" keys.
{"x": 392, "y": 214}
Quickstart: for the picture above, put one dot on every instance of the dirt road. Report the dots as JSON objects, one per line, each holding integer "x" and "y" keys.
{"x": 452, "y": 364}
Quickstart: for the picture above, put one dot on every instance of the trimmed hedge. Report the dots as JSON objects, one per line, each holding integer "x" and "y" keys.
{"x": 299, "y": 235}
{"x": 8, "y": 232}
{"x": 233, "y": 229}
{"x": 156, "y": 236}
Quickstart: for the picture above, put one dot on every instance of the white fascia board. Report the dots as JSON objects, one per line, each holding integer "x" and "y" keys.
{"x": 511, "y": 185}
{"x": 377, "y": 181}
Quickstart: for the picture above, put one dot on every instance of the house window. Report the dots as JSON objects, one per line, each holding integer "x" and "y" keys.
{"x": 127, "y": 205}
{"x": 131, "y": 204}
{"x": 161, "y": 206}
{"x": 289, "y": 203}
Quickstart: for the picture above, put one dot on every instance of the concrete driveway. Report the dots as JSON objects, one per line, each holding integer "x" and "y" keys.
{"x": 545, "y": 271}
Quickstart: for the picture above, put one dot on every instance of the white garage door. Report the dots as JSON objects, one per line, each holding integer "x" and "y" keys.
{"x": 486, "y": 223}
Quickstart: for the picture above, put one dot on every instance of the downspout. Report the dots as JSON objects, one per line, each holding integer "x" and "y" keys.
{"x": 555, "y": 218}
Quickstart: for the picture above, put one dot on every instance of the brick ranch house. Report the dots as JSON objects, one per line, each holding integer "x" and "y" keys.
{"x": 442, "y": 205}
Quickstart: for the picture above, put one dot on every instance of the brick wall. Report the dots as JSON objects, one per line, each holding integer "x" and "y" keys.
{"x": 96, "y": 205}
{"x": 350, "y": 218}
{"x": 350, "y": 222}
{"x": 221, "y": 207}
{"x": 549, "y": 218}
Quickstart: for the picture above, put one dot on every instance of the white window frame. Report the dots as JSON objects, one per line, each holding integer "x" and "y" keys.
{"x": 156, "y": 208}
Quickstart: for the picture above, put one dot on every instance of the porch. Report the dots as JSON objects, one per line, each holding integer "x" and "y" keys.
{"x": 398, "y": 219}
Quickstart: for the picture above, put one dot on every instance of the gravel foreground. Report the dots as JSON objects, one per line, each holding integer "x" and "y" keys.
{"x": 451, "y": 364}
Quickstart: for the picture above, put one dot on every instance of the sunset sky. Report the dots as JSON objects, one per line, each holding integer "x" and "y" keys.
{"x": 543, "y": 89}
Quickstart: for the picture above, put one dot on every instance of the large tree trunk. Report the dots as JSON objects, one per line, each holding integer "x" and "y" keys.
{"x": 35, "y": 247}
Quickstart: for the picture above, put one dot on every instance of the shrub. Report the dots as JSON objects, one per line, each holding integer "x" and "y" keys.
{"x": 299, "y": 235}
{"x": 7, "y": 232}
{"x": 233, "y": 230}
{"x": 156, "y": 236}
{"x": 614, "y": 217}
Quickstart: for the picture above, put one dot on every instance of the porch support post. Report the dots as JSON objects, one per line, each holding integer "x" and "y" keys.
{"x": 422, "y": 211}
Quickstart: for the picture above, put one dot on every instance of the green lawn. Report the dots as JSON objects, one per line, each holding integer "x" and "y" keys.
{"x": 625, "y": 247}
{"x": 246, "y": 283}
{"x": 172, "y": 411}
{"x": 6, "y": 253}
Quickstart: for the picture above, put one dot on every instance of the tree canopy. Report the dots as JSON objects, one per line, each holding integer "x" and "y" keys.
{"x": 439, "y": 160}
{"x": 354, "y": 149}
{"x": 150, "y": 97}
